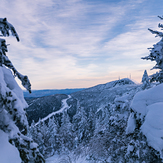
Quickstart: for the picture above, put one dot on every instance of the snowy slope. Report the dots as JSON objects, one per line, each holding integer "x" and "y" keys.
{"x": 100, "y": 95}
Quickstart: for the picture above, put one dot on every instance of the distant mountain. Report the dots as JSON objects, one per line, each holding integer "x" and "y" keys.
{"x": 90, "y": 98}
{"x": 48, "y": 92}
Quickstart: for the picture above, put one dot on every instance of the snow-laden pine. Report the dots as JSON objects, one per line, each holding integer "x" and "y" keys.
{"x": 145, "y": 80}
{"x": 13, "y": 120}
{"x": 156, "y": 54}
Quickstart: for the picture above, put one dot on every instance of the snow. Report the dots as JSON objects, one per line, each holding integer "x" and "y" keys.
{"x": 110, "y": 85}
{"x": 122, "y": 99}
{"x": 9, "y": 82}
{"x": 152, "y": 128}
{"x": 8, "y": 153}
{"x": 9, "y": 90}
{"x": 130, "y": 148}
{"x": 145, "y": 98}
{"x": 100, "y": 108}
{"x": 33, "y": 145}
{"x": 148, "y": 104}
{"x": 131, "y": 124}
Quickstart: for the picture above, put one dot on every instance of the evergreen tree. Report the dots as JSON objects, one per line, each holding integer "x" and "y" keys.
{"x": 66, "y": 137}
{"x": 156, "y": 54}
{"x": 12, "y": 104}
{"x": 80, "y": 125}
{"x": 44, "y": 134}
{"x": 145, "y": 80}
{"x": 52, "y": 132}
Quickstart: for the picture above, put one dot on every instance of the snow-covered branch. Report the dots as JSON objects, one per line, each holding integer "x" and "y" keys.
{"x": 6, "y": 28}
{"x": 160, "y": 34}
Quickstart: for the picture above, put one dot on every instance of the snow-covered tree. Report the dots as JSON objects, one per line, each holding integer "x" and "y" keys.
{"x": 44, "y": 135}
{"x": 12, "y": 104}
{"x": 66, "y": 137}
{"x": 156, "y": 54}
{"x": 145, "y": 80}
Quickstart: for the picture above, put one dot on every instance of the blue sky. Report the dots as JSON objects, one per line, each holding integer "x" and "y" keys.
{"x": 81, "y": 43}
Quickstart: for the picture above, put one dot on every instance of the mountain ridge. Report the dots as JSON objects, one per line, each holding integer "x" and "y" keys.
{"x": 48, "y": 92}
{"x": 46, "y": 104}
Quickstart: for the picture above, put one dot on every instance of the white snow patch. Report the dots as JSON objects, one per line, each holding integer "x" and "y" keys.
{"x": 8, "y": 84}
{"x": 7, "y": 80}
{"x": 122, "y": 99}
{"x": 152, "y": 128}
{"x": 130, "y": 149}
{"x": 147, "y": 97}
{"x": 8, "y": 153}
{"x": 131, "y": 124}
{"x": 100, "y": 108}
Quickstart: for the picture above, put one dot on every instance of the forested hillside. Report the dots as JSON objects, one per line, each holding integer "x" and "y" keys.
{"x": 92, "y": 124}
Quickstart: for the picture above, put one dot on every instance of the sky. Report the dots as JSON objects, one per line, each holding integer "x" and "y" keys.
{"x": 81, "y": 43}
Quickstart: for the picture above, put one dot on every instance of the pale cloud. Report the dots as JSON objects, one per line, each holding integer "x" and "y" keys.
{"x": 127, "y": 48}
{"x": 76, "y": 43}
